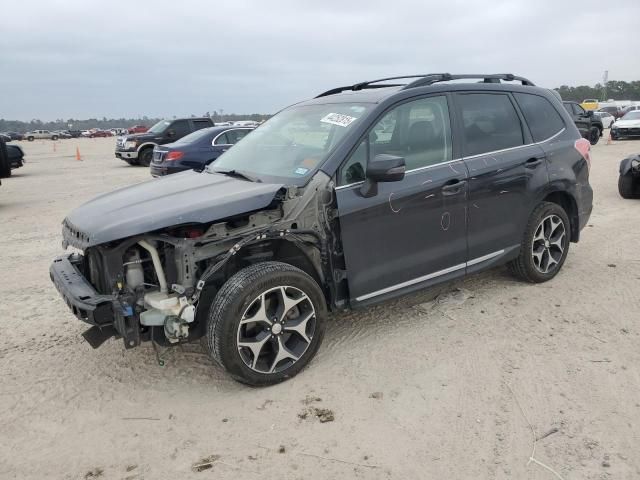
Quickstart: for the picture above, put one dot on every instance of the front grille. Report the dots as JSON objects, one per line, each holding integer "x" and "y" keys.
{"x": 629, "y": 131}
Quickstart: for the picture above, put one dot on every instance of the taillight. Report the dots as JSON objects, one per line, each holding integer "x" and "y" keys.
{"x": 178, "y": 155}
{"x": 584, "y": 147}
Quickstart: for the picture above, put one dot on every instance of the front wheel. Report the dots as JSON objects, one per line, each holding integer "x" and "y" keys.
{"x": 594, "y": 135}
{"x": 54, "y": 138}
{"x": 545, "y": 244}
{"x": 266, "y": 323}
{"x": 30, "y": 139}
{"x": 145, "y": 156}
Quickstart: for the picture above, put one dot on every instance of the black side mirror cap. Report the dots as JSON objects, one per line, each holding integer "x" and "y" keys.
{"x": 382, "y": 168}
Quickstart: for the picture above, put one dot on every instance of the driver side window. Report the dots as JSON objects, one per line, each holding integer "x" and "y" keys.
{"x": 418, "y": 130}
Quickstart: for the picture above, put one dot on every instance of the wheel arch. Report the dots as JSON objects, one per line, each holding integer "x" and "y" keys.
{"x": 147, "y": 145}
{"x": 568, "y": 203}
{"x": 279, "y": 250}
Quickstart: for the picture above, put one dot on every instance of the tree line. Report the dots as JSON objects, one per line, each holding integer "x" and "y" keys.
{"x": 107, "y": 123}
{"x": 615, "y": 90}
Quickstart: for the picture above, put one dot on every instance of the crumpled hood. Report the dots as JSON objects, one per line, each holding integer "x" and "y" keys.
{"x": 187, "y": 197}
{"x": 627, "y": 123}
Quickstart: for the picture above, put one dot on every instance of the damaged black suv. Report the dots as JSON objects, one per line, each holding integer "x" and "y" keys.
{"x": 362, "y": 194}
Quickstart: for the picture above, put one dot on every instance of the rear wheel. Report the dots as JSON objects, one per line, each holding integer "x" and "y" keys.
{"x": 266, "y": 323}
{"x": 145, "y": 156}
{"x": 30, "y": 138}
{"x": 55, "y": 137}
{"x": 545, "y": 244}
{"x": 5, "y": 164}
{"x": 594, "y": 135}
{"x": 628, "y": 186}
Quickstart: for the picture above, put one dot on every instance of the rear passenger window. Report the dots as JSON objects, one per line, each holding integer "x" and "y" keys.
{"x": 490, "y": 123}
{"x": 222, "y": 140}
{"x": 198, "y": 124}
{"x": 543, "y": 120}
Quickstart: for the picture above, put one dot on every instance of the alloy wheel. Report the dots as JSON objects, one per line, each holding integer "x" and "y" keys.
{"x": 276, "y": 329}
{"x": 549, "y": 243}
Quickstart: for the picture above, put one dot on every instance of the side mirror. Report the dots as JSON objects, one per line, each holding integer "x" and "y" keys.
{"x": 589, "y": 113}
{"x": 171, "y": 133}
{"x": 382, "y": 168}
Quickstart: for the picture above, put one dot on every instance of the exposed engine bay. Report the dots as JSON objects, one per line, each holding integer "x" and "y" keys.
{"x": 150, "y": 286}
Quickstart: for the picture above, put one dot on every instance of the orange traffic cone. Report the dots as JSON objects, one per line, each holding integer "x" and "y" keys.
{"x": 78, "y": 157}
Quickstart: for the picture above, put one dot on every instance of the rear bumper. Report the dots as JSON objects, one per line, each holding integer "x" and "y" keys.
{"x": 79, "y": 295}
{"x": 162, "y": 170}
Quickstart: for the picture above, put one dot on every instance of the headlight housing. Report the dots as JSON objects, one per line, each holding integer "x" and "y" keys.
{"x": 130, "y": 144}
{"x": 635, "y": 165}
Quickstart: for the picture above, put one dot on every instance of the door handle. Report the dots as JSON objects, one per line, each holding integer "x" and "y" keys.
{"x": 453, "y": 187}
{"x": 533, "y": 162}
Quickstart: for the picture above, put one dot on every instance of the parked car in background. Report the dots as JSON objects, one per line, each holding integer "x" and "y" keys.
{"x": 137, "y": 149}
{"x": 63, "y": 134}
{"x": 137, "y": 129}
{"x": 590, "y": 104}
{"x": 119, "y": 131}
{"x": 355, "y": 197}
{"x": 6, "y": 138}
{"x": 629, "y": 108}
{"x": 629, "y": 179}
{"x": 589, "y": 125}
{"x": 617, "y": 112}
{"x": 100, "y": 133}
{"x": 14, "y": 135}
{"x": 75, "y": 133}
{"x": 41, "y": 135}
{"x": 626, "y": 127}
{"x": 605, "y": 117}
{"x": 196, "y": 150}
{"x": 5, "y": 164}
{"x": 246, "y": 123}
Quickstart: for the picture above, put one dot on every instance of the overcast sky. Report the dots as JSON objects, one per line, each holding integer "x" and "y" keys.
{"x": 84, "y": 58}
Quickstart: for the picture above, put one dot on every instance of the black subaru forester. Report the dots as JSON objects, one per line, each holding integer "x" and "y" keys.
{"x": 364, "y": 193}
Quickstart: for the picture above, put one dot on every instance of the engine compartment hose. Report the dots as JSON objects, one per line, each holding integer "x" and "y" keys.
{"x": 157, "y": 265}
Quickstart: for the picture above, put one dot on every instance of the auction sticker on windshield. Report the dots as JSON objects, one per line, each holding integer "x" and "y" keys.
{"x": 338, "y": 119}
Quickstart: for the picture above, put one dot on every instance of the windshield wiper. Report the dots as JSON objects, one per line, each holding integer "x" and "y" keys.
{"x": 238, "y": 174}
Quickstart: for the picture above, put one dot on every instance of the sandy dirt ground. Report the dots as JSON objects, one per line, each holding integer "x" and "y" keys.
{"x": 453, "y": 383}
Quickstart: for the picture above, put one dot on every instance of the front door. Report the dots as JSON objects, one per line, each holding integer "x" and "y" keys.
{"x": 412, "y": 233}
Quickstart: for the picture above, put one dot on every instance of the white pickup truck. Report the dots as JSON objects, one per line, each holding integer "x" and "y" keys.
{"x": 40, "y": 135}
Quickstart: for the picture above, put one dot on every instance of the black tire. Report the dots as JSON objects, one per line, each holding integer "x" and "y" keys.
{"x": 628, "y": 187}
{"x": 614, "y": 136}
{"x": 131, "y": 161}
{"x": 524, "y": 266}
{"x": 145, "y": 156}
{"x": 594, "y": 135}
{"x": 233, "y": 301}
{"x": 30, "y": 139}
{"x": 5, "y": 164}
{"x": 54, "y": 138}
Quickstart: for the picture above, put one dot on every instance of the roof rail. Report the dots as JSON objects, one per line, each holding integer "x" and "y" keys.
{"x": 425, "y": 80}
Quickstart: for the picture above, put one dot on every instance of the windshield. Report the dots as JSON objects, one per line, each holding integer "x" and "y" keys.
{"x": 159, "y": 127}
{"x": 195, "y": 136}
{"x": 289, "y": 146}
{"x": 635, "y": 115}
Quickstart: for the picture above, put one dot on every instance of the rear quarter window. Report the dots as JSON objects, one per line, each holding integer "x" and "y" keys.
{"x": 543, "y": 119}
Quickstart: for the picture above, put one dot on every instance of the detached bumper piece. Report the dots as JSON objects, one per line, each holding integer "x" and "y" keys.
{"x": 83, "y": 300}
{"x": 106, "y": 313}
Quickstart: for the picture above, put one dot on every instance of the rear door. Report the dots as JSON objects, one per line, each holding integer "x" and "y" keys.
{"x": 177, "y": 130}
{"x": 199, "y": 124}
{"x": 413, "y": 232}
{"x": 505, "y": 170}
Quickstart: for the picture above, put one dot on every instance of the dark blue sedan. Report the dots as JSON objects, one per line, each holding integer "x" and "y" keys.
{"x": 196, "y": 150}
